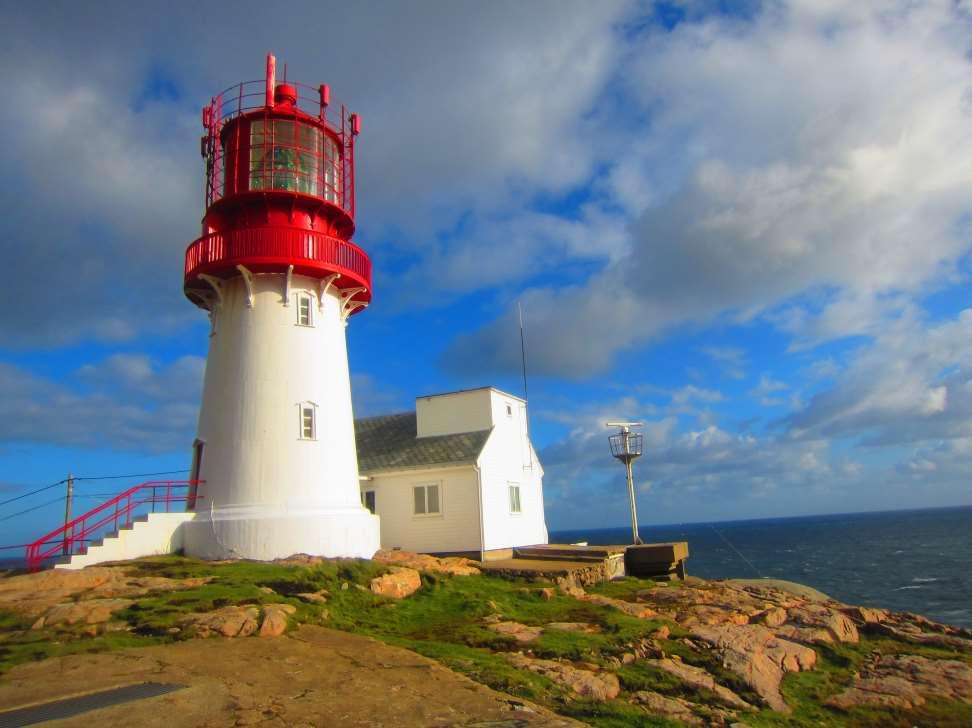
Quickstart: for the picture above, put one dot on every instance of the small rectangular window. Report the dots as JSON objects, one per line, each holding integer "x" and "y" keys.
{"x": 509, "y": 411}
{"x": 308, "y": 426}
{"x": 368, "y": 500}
{"x": 426, "y": 499}
{"x": 515, "y": 498}
{"x": 304, "y": 310}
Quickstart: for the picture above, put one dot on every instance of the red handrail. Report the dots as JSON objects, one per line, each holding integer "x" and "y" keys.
{"x": 74, "y": 535}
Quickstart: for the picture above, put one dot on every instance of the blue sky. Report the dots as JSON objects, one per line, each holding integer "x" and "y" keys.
{"x": 746, "y": 225}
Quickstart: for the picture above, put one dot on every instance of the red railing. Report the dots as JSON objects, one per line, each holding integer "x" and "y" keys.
{"x": 116, "y": 513}
{"x": 270, "y": 247}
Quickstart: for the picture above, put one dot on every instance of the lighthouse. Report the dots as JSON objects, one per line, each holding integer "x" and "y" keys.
{"x": 279, "y": 277}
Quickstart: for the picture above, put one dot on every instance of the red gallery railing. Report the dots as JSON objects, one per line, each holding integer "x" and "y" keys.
{"x": 117, "y": 513}
{"x": 279, "y": 247}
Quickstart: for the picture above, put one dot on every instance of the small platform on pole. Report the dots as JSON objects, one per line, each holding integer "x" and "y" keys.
{"x": 657, "y": 560}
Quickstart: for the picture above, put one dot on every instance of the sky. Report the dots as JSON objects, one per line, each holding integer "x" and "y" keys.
{"x": 746, "y": 225}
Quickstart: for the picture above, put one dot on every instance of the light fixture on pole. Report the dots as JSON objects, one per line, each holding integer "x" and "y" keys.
{"x": 626, "y": 446}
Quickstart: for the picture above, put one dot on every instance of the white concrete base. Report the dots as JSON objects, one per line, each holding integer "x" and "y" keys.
{"x": 271, "y": 531}
{"x": 161, "y": 533}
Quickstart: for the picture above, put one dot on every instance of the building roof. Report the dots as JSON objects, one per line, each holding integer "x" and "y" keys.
{"x": 473, "y": 389}
{"x": 389, "y": 442}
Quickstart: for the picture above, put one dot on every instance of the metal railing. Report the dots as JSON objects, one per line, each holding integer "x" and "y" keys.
{"x": 279, "y": 246}
{"x": 110, "y": 516}
{"x": 333, "y": 178}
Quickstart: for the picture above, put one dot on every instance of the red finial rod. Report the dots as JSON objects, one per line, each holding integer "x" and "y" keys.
{"x": 271, "y": 78}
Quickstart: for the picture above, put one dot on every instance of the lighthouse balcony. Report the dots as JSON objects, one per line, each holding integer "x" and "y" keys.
{"x": 274, "y": 250}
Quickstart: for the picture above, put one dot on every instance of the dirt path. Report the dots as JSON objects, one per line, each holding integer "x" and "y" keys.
{"x": 312, "y": 677}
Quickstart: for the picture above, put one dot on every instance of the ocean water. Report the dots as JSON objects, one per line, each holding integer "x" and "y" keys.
{"x": 913, "y": 561}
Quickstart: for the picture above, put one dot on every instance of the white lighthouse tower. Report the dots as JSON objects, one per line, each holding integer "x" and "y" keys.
{"x": 277, "y": 272}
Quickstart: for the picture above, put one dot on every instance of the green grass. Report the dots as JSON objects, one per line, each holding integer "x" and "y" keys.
{"x": 444, "y": 621}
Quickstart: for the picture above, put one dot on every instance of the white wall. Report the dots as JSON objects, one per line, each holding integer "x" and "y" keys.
{"x": 509, "y": 458}
{"x": 446, "y": 414}
{"x": 269, "y": 493}
{"x": 455, "y": 529}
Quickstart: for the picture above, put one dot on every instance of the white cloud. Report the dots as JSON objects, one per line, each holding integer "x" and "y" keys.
{"x": 812, "y": 152}
{"x": 912, "y": 385}
{"x": 126, "y": 403}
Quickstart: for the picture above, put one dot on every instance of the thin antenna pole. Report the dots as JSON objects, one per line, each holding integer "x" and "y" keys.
{"x": 526, "y": 396}
{"x": 519, "y": 311}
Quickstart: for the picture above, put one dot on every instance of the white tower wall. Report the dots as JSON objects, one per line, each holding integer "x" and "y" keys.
{"x": 269, "y": 492}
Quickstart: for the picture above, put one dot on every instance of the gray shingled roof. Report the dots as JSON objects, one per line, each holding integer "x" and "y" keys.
{"x": 389, "y": 442}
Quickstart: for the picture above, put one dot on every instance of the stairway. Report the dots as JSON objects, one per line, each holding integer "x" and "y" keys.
{"x": 148, "y": 535}
{"x": 145, "y": 520}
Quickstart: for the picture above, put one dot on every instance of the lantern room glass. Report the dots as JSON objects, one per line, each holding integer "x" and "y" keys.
{"x": 289, "y": 155}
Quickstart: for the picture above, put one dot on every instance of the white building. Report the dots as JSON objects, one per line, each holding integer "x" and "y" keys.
{"x": 458, "y": 475}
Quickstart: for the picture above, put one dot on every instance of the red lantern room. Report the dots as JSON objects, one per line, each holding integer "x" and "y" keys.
{"x": 279, "y": 188}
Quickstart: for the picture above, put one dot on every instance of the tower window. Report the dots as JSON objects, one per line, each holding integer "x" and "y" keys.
{"x": 509, "y": 410}
{"x": 515, "y": 498}
{"x": 426, "y": 500}
{"x": 308, "y": 421}
{"x": 305, "y": 315}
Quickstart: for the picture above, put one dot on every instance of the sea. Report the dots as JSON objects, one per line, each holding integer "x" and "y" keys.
{"x": 909, "y": 561}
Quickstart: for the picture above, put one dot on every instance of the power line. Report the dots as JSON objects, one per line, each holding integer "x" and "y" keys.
{"x": 39, "y": 490}
{"x": 20, "y": 513}
{"x": 132, "y": 475}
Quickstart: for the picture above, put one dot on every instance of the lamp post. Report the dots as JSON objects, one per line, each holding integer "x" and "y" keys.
{"x": 626, "y": 446}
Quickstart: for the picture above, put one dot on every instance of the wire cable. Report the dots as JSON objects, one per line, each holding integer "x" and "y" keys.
{"x": 20, "y": 513}
{"x": 738, "y": 552}
{"x": 132, "y": 475}
{"x": 39, "y": 490}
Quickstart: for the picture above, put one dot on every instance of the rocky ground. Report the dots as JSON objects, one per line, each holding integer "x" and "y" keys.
{"x": 324, "y": 643}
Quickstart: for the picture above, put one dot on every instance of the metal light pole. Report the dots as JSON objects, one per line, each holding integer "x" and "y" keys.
{"x": 626, "y": 446}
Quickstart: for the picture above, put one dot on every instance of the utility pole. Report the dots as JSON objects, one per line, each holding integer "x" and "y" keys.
{"x": 67, "y": 513}
{"x": 626, "y": 446}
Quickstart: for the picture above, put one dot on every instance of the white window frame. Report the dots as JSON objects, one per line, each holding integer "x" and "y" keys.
{"x": 302, "y": 408}
{"x": 302, "y": 297}
{"x": 511, "y": 490}
{"x": 425, "y": 498}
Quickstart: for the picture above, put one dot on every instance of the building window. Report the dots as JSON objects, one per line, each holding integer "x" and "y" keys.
{"x": 308, "y": 421}
{"x": 509, "y": 410}
{"x": 305, "y": 315}
{"x": 368, "y": 499}
{"x": 426, "y": 500}
{"x": 515, "y": 498}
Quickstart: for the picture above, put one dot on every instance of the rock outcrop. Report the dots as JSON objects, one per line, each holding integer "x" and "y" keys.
{"x": 905, "y": 681}
{"x": 696, "y": 677}
{"x": 398, "y": 583}
{"x": 34, "y": 595}
{"x": 585, "y": 683}
{"x": 675, "y": 708}
{"x": 759, "y": 657}
{"x": 454, "y": 565}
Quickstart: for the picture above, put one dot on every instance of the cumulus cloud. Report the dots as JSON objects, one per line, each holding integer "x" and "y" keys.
{"x": 124, "y": 403}
{"x": 912, "y": 385}
{"x": 808, "y": 156}
{"x": 469, "y": 109}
